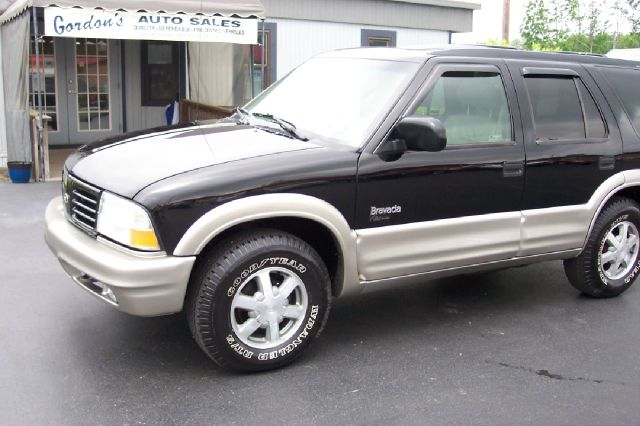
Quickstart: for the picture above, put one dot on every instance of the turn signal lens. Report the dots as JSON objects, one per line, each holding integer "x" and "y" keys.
{"x": 143, "y": 238}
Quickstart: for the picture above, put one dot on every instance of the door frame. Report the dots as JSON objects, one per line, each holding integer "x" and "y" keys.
{"x": 60, "y": 136}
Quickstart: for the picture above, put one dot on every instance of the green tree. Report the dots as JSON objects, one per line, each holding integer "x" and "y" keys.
{"x": 580, "y": 25}
{"x": 574, "y": 10}
{"x": 629, "y": 41}
{"x": 633, "y": 15}
{"x": 599, "y": 43}
{"x": 536, "y": 28}
{"x": 562, "y": 13}
{"x": 549, "y": 22}
{"x": 595, "y": 24}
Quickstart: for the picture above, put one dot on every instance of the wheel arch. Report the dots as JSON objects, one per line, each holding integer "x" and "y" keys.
{"x": 623, "y": 184}
{"x": 315, "y": 221}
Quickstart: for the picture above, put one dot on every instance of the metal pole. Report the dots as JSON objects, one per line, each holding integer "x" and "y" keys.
{"x": 39, "y": 95}
{"x": 264, "y": 38}
{"x": 252, "y": 60}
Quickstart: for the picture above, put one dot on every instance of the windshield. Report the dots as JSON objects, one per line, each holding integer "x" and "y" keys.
{"x": 338, "y": 98}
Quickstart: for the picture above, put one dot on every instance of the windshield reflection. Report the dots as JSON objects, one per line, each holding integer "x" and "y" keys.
{"x": 337, "y": 98}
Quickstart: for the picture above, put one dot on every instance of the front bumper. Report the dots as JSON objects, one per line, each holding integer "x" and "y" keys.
{"x": 143, "y": 284}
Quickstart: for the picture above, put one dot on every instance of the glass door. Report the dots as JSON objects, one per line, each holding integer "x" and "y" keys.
{"x": 52, "y": 96}
{"x": 92, "y": 78}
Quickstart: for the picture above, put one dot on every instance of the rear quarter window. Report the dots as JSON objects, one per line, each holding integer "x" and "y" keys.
{"x": 626, "y": 84}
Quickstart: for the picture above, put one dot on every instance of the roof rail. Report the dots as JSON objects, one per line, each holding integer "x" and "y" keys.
{"x": 493, "y": 46}
{"x": 562, "y": 52}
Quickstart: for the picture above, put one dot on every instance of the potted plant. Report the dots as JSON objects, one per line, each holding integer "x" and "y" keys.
{"x": 19, "y": 171}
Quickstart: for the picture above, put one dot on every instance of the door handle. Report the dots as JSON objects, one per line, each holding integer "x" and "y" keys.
{"x": 72, "y": 92}
{"x": 512, "y": 169}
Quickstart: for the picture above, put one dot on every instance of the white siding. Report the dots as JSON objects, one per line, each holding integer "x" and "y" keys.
{"x": 409, "y": 37}
{"x": 3, "y": 124}
{"x": 300, "y": 40}
{"x": 426, "y": 15}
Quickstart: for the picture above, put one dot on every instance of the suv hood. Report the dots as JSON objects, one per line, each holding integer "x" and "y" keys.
{"x": 127, "y": 164}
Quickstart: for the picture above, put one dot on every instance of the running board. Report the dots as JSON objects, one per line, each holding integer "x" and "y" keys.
{"x": 384, "y": 283}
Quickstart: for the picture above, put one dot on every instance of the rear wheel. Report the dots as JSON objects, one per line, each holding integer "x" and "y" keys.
{"x": 259, "y": 300}
{"x": 610, "y": 262}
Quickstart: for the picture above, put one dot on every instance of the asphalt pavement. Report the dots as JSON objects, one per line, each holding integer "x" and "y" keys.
{"x": 511, "y": 347}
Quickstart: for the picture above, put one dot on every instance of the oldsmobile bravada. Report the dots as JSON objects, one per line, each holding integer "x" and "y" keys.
{"x": 362, "y": 168}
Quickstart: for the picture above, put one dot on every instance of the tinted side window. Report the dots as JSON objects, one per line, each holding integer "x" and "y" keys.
{"x": 594, "y": 124}
{"x": 556, "y": 107}
{"x": 472, "y": 106}
{"x": 626, "y": 83}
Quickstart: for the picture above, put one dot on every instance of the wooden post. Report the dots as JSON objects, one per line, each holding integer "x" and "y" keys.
{"x": 39, "y": 151}
{"x": 506, "y": 15}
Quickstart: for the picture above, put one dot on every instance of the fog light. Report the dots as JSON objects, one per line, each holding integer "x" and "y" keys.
{"x": 106, "y": 292}
{"x": 91, "y": 284}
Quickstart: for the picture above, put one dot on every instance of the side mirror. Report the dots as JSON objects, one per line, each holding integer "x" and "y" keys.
{"x": 421, "y": 133}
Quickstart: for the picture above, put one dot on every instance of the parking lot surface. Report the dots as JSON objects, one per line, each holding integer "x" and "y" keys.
{"x": 517, "y": 346}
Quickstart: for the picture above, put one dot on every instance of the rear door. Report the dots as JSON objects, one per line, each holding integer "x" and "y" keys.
{"x": 571, "y": 143}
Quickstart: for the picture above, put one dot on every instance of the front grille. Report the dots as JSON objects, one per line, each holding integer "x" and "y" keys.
{"x": 82, "y": 202}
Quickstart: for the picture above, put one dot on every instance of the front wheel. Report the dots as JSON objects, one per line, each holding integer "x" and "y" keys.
{"x": 610, "y": 262}
{"x": 259, "y": 300}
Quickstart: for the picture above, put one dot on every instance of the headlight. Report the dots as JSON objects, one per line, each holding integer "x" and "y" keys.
{"x": 126, "y": 222}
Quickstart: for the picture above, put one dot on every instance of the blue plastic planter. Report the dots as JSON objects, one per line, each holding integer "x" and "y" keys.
{"x": 19, "y": 171}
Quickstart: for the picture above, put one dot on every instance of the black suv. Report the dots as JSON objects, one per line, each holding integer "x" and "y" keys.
{"x": 362, "y": 168}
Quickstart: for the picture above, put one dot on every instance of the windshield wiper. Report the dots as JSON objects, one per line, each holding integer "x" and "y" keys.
{"x": 244, "y": 115}
{"x": 287, "y": 126}
{"x": 245, "y": 118}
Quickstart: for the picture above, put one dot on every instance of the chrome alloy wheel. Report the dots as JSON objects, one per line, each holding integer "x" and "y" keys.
{"x": 619, "y": 250}
{"x": 268, "y": 308}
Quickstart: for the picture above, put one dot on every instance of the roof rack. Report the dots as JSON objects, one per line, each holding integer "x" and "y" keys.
{"x": 562, "y": 52}
{"x": 493, "y": 46}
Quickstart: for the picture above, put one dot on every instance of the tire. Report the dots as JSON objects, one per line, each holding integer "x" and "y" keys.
{"x": 609, "y": 263}
{"x": 236, "y": 306}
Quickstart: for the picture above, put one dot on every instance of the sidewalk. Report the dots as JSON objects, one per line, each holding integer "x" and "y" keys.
{"x": 57, "y": 157}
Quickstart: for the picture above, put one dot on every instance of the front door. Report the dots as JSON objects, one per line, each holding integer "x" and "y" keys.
{"x": 427, "y": 211}
{"x": 88, "y": 83}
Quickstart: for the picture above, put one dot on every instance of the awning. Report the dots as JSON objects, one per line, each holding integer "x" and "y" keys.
{"x": 240, "y": 8}
{"x": 4, "y": 4}
{"x": 177, "y": 20}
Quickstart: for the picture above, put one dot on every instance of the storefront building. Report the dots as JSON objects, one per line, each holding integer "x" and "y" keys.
{"x": 94, "y": 69}
{"x": 96, "y": 83}
{"x": 299, "y": 29}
